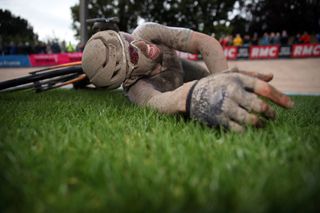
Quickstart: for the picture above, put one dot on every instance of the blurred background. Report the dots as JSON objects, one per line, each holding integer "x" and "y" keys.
{"x": 30, "y": 26}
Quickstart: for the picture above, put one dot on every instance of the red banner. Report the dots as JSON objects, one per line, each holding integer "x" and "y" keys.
{"x": 53, "y": 59}
{"x": 43, "y": 59}
{"x": 305, "y": 50}
{"x": 231, "y": 53}
{"x": 72, "y": 57}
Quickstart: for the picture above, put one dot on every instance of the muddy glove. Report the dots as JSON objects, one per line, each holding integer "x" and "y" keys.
{"x": 230, "y": 99}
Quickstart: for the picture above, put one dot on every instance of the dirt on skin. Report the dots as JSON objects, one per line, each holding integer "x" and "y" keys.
{"x": 291, "y": 76}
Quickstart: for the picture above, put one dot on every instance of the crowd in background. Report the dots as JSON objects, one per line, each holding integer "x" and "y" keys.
{"x": 228, "y": 40}
{"x": 273, "y": 38}
{"x": 38, "y": 48}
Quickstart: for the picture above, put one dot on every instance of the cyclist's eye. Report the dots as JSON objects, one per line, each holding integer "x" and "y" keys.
{"x": 134, "y": 55}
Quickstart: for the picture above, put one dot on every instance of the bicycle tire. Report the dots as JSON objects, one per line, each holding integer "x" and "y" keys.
{"x": 43, "y": 85}
{"x": 32, "y": 78}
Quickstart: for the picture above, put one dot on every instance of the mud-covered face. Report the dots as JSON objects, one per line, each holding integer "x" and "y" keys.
{"x": 143, "y": 55}
{"x": 151, "y": 51}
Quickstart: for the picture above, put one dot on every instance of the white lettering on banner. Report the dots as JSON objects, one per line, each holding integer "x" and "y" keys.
{"x": 230, "y": 52}
{"x": 306, "y": 50}
{"x": 10, "y": 63}
{"x": 243, "y": 52}
{"x": 285, "y": 51}
{"x": 186, "y": 55}
{"x": 297, "y": 50}
{"x": 274, "y": 51}
{"x": 264, "y": 51}
{"x": 254, "y": 52}
{"x": 316, "y": 50}
{"x": 46, "y": 57}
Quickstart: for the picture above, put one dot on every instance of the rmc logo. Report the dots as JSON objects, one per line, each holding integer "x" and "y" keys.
{"x": 259, "y": 52}
{"x": 305, "y": 50}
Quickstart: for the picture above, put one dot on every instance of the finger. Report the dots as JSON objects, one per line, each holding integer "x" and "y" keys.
{"x": 266, "y": 90}
{"x": 252, "y": 103}
{"x": 240, "y": 115}
{"x": 234, "y": 127}
{"x": 264, "y": 77}
{"x": 259, "y": 106}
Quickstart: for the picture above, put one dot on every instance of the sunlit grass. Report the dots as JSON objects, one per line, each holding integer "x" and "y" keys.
{"x": 68, "y": 150}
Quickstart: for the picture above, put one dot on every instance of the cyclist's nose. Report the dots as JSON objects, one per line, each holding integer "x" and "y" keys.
{"x": 142, "y": 45}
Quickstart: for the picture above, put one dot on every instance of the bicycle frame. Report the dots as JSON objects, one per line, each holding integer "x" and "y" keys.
{"x": 47, "y": 78}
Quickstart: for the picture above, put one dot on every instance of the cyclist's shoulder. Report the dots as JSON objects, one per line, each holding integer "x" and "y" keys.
{"x": 157, "y": 27}
{"x": 148, "y": 31}
{"x": 148, "y": 27}
{"x": 159, "y": 32}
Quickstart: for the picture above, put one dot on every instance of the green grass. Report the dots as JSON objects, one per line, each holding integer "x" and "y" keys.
{"x": 67, "y": 150}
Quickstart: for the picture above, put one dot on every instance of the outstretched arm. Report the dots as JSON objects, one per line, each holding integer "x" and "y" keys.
{"x": 229, "y": 99}
{"x": 143, "y": 93}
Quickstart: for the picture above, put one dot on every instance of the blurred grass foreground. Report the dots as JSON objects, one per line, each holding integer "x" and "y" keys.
{"x": 72, "y": 151}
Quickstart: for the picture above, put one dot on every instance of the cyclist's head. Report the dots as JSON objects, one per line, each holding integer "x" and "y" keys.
{"x": 104, "y": 59}
{"x": 109, "y": 57}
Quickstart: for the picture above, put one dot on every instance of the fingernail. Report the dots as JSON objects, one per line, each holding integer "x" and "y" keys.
{"x": 290, "y": 103}
{"x": 271, "y": 114}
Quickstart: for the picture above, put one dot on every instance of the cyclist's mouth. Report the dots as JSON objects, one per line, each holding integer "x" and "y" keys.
{"x": 152, "y": 51}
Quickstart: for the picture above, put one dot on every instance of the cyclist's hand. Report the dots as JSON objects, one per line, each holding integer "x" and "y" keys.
{"x": 231, "y": 99}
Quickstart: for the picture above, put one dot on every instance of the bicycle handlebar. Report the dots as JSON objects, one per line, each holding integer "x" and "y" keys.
{"x": 101, "y": 24}
{"x": 103, "y": 19}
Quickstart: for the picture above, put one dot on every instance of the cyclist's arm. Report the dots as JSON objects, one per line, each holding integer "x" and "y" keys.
{"x": 186, "y": 40}
{"x": 210, "y": 49}
{"x": 143, "y": 93}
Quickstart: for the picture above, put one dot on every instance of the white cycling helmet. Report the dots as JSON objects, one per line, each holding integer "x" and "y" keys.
{"x": 104, "y": 59}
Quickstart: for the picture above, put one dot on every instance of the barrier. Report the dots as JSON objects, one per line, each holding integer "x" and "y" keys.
{"x": 14, "y": 61}
{"x": 43, "y": 59}
{"x": 265, "y": 52}
{"x": 54, "y": 59}
{"x": 231, "y": 53}
{"x": 305, "y": 50}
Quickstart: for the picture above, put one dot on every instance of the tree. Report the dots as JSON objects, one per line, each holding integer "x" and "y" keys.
{"x": 15, "y": 29}
{"x": 201, "y": 15}
{"x": 127, "y": 11}
{"x": 292, "y": 15}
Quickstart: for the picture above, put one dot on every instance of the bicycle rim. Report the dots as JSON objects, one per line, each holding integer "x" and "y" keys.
{"x": 35, "y": 77}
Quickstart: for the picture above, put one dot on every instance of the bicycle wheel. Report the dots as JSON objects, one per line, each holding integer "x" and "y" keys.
{"x": 34, "y": 79}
